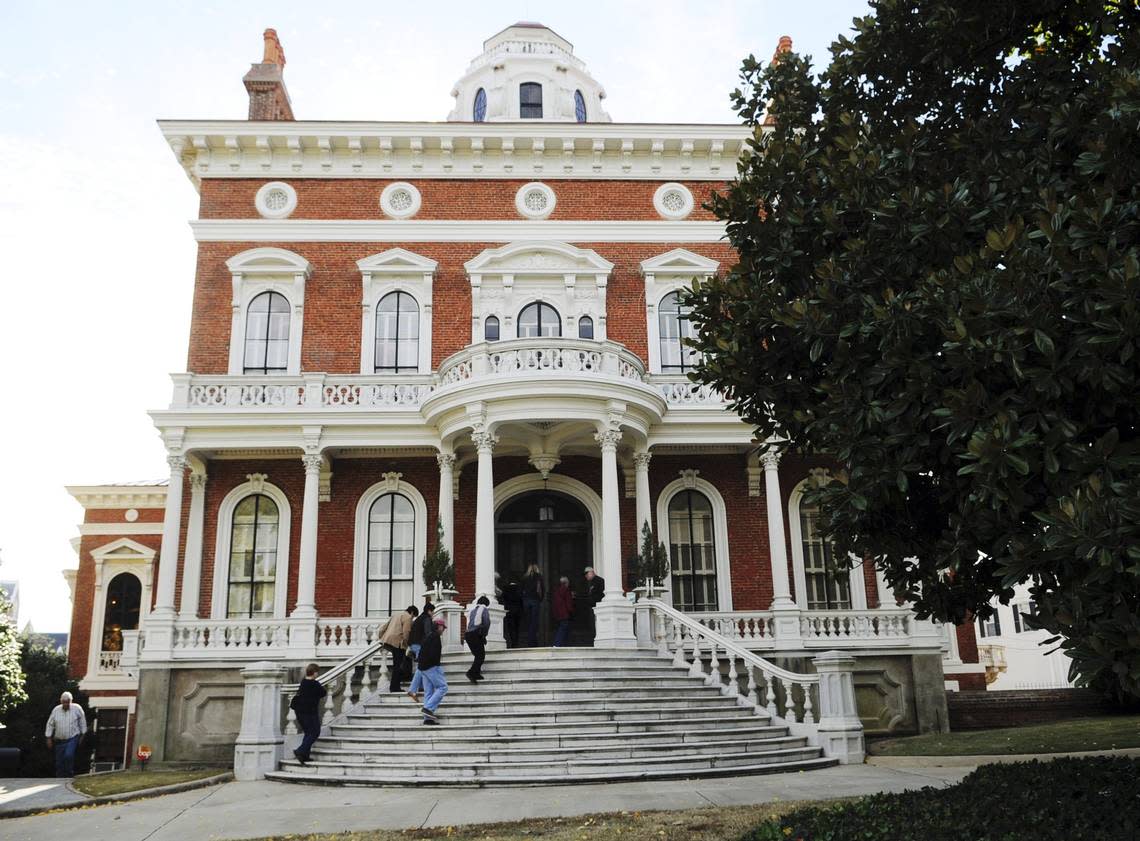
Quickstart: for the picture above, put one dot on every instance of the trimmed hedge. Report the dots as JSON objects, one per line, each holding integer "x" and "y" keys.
{"x": 1060, "y": 800}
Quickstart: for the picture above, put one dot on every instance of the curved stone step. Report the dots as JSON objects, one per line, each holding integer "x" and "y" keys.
{"x": 491, "y": 730}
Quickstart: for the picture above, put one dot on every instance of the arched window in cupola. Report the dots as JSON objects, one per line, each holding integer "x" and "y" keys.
{"x": 579, "y": 107}
{"x": 539, "y": 320}
{"x": 479, "y": 112}
{"x": 530, "y": 100}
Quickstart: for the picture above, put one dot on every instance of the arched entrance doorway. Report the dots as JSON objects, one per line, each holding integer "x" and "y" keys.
{"x": 552, "y": 530}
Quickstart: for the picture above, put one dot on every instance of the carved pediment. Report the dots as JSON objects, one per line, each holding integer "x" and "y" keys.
{"x": 553, "y": 258}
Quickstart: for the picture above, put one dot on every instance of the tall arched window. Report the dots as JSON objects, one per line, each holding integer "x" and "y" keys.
{"x": 828, "y": 583}
{"x": 579, "y": 107}
{"x": 673, "y": 326}
{"x": 124, "y": 594}
{"x": 253, "y": 558}
{"x": 267, "y": 334}
{"x": 530, "y": 100}
{"x": 491, "y": 329}
{"x": 391, "y": 555}
{"x": 539, "y": 319}
{"x": 585, "y": 327}
{"x": 479, "y": 112}
{"x": 397, "y": 334}
{"x": 692, "y": 551}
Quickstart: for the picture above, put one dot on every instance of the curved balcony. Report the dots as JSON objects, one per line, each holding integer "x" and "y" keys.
{"x": 544, "y": 356}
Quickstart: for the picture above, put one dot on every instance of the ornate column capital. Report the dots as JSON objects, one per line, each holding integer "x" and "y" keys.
{"x": 198, "y": 482}
{"x": 312, "y": 462}
{"x": 608, "y": 439}
{"x": 771, "y": 459}
{"x": 446, "y": 461}
{"x": 641, "y": 460}
{"x": 484, "y": 441}
{"x": 177, "y": 462}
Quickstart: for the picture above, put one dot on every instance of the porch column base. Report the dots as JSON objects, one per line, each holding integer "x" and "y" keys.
{"x": 613, "y": 621}
{"x": 159, "y": 647}
{"x": 302, "y": 630}
{"x": 786, "y": 625}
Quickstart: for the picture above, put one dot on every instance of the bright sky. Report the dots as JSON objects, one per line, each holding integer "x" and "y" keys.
{"x": 96, "y": 259}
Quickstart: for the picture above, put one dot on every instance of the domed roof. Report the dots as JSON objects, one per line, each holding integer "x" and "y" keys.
{"x": 528, "y": 72}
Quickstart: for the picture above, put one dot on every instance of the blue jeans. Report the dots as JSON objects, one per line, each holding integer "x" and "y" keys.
{"x": 530, "y": 612}
{"x": 418, "y": 678}
{"x": 561, "y": 633}
{"x": 310, "y": 724}
{"x": 65, "y": 756}
{"x": 435, "y": 687}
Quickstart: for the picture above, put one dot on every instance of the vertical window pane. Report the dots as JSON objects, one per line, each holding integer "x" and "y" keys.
{"x": 391, "y": 553}
{"x": 692, "y": 551}
{"x": 253, "y": 557}
{"x": 267, "y": 325}
{"x": 397, "y": 333}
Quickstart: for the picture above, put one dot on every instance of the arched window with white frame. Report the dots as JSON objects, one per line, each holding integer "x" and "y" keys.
{"x": 674, "y": 326}
{"x": 252, "y": 584}
{"x": 391, "y": 536}
{"x": 397, "y": 334}
{"x": 268, "y": 307}
{"x": 823, "y": 579}
{"x": 267, "y": 334}
{"x": 539, "y": 320}
{"x": 121, "y": 611}
{"x": 692, "y": 513}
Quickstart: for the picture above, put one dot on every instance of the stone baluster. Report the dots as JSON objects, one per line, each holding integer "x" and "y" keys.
{"x": 789, "y": 701}
{"x": 733, "y": 687}
{"x": 809, "y": 718}
{"x": 696, "y": 669}
{"x": 366, "y": 678}
{"x": 714, "y": 667}
{"x": 770, "y": 694}
{"x": 753, "y": 696}
{"x": 678, "y": 645}
{"x": 384, "y": 677}
{"x": 290, "y": 722}
{"x": 329, "y": 709}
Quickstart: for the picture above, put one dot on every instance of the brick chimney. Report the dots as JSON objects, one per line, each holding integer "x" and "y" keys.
{"x": 265, "y": 82}
{"x": 783, "y": 46}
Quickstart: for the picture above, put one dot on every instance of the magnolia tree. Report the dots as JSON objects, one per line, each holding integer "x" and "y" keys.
{"x": 11, "y": 672}
{"x": 939, "y": 286}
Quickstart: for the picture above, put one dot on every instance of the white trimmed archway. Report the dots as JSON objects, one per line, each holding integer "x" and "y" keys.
{"x": 391, "y": 483}
{"x": 720, "y": 531}
{"x": 219, "y": 596}
{"x": 799, "y": 571}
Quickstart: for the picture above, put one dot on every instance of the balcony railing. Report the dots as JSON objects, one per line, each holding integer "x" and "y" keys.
{"x": 311, "y": 391}
{"x": 544, "y": 356}
{"x": 874, "y": 628}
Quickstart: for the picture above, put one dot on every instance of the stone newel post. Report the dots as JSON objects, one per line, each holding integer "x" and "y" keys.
{"x": 259, "y": 744}
{"x": 840, "y": 730}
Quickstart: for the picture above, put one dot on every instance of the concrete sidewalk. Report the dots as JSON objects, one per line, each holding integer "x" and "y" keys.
{"x": 253, "y": 810}
{"x": 19, "y": 793}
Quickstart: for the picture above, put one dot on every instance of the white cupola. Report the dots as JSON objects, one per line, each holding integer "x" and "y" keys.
{"x": 528, "y": 72}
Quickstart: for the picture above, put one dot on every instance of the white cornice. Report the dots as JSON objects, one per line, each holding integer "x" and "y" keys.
{"x": 538, "y": 150}
{"x": 413, "y": 230}
{"x": 120, "y": 528}
{"x": 119, "y": 496}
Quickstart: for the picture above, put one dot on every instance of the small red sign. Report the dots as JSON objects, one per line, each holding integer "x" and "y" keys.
{"x": 143, "y": 753}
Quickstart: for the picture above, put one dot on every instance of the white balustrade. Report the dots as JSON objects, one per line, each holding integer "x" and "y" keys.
{"x": 687, "y": 393}
{"x": 110, "y": 662}
{"x": 255, "y": 391}
{"x": 541, "y": 355}
{"x": 756, "y": 630}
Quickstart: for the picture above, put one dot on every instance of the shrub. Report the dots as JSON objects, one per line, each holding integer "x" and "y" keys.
{"x": 437, "y": 563}
{"x": 1061, "y": 800}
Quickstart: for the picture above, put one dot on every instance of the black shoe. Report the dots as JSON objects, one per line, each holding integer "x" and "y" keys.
{"x": 429, "y": 714}
{"x": 472, "y": 678}
{"x": 431, "y": 721}
{"x": 304, "y": 760}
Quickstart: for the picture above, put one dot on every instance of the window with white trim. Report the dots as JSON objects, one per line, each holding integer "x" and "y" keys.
{"x": 585, "y": 327}
{"x": 692, "y": 551}
{"x": 674, "y": 327}
{"x": 397, "y": 334}
{"x": 828, "y": 582}
{"x": 530, "y": 100}
{"x": 252, "y": 582}
{"x": 539, "y": 319}
{"x": 121, "y": 612}
{"x": 990, "y": 627}
{"x": 390, "y": 581}
{"x": 491, "y": 329}
{"x": 267, "y": 320}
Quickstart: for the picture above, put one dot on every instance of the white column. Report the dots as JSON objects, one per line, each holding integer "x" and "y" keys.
{"x": 485, "y": 515}
{"x": 777, "y": 543}
{"x": 614, "y": 614}
{"x": 446, "y": 463}
{"x": 192, "y": 563}
{"x": 307, "y": 568}
{"x": 641, "y": 492}
{"x": 171, "y": 534}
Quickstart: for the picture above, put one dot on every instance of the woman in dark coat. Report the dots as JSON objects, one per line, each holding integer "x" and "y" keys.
{"x": 563, "y": 609}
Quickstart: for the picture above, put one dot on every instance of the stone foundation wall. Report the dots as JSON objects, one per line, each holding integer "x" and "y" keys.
{"x": 190, "y": 715}
{"x": 1010, "y": 708}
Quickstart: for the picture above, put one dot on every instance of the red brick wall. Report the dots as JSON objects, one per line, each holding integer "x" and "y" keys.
{"x": 331, "y": 336}
{"x": 456, "y": 198}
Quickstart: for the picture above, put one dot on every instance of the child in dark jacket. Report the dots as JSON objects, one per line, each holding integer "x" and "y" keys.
{"x": 307, "y": 705}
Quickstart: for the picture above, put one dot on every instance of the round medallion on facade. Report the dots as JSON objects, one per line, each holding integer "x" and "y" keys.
{"x": 130, "y": 515}
{"x": 275, "y": 200}
{"x": 535, "y": 200}
{"x": 400, "y": 200}
{"x": 673, "y": 201}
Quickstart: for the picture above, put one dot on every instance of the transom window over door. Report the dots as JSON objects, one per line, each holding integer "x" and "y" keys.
{"x": 692, "y": 551}
{"x": 267, "y": 334}
{"x": 828, "y": 583}
{"x": 397, "y": 334}
{"x": 539, "y": 319}
{"x": 390, "y": 580}
{"x": 673, "y": 327}
{"x": 530, "y": 100}
{"x": 253, "y": 558}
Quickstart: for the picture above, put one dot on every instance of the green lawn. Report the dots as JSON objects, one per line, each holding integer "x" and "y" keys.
{"x": 1102, "y": 733}
{"x": 120, "y": 782}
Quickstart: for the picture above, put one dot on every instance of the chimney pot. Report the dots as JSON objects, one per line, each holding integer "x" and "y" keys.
{"x": 268, "y": 98}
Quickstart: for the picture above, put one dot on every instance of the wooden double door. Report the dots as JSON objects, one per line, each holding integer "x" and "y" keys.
{"x": 552, "y": 531}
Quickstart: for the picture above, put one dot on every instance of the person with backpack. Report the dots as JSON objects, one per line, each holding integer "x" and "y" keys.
{"x": 478, "y": 626}
{"x": 431, "y": 667}
{"x": 421, "y": 627}
{"x": 307, "y": 705}
{"x": 394, "y": 634}
{"x": 563, "y": 609}
{"x": 533, "y": 592}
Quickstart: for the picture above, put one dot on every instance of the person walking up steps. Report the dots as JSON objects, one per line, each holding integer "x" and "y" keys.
{"x": 394, "y": 634}
{"x": 533, "y": 592}
{"x": 431, "y": 667}
{"x": 307, "y": 705}
{"x": 478, "y": 626}
{"x": 421, "y": 627}
{"x": 563, "y": 609}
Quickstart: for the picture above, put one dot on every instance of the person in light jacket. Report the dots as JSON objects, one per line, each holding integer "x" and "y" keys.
{"x": 395, "y": 634}
{"x": 66, "y": 727}
{"x": 307, "y": 705}
{"x": 478, "y": 626}
{"x": 431, "y": 667}
{"x": 563, "y": 609}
